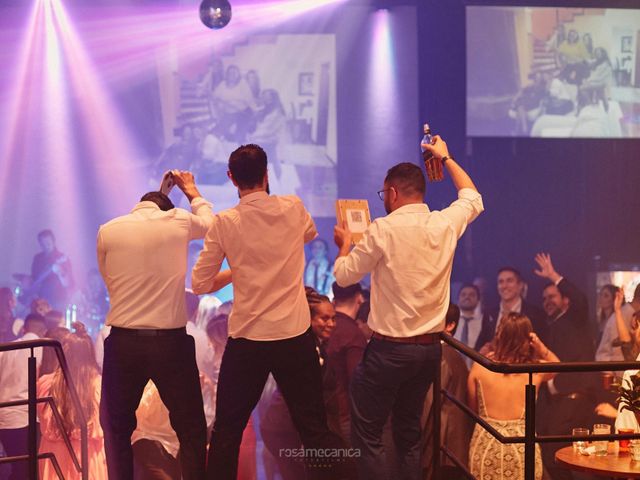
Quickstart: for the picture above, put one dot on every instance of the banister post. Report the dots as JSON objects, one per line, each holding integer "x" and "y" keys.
{"x": 33, "y": 419}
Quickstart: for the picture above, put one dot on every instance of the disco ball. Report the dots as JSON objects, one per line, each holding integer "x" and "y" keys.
{"x": 215, "y": 14}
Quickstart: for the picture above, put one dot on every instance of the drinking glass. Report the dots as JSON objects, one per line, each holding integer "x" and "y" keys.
{"x": 601, "y": 445}
{"x": 624, "y": 444}
{"x": 580, "y": 445}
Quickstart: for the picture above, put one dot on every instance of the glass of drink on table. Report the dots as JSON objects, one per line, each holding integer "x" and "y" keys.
{"x": 579, "y": 445}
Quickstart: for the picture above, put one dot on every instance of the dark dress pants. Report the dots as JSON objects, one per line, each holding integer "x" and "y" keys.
{"x": 295, "y": 367}
{"x": 130, "y": 361}
{"x": 392, "y": 380}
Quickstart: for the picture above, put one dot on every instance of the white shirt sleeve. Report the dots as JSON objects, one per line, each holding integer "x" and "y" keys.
{"x": 464, "y": 210}
{"x": 201, "y": 217}
{"x": 310, "y": 231}
{"x": 102, "y": 256}
{"x": 209, "y": 261}
{"x": 361, "y": 260}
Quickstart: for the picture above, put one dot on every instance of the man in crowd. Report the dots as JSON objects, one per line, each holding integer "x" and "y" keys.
{"x": 565, "y": 401}
{"x": 143, "y": 259}
{"x": 409, "y": 254}
{"x": 346, "y": 346}
{"x": 51, "y": 276}
{"x": 511, "y": 291}
{"x": 471, "y": 317}
{"x": 455, "y": 425}
{"x": 263, "y": 240}
{"x": 14, "y": 385}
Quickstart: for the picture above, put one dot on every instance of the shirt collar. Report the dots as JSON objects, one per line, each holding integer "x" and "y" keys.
{"x": 145, "y": 205}
{"x": 411, "y": 208}
{"x": 252, "y": 197}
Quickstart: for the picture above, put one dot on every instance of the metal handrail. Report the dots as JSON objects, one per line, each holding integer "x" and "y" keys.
{"x": 32, "y": 401}
{"x": 530, "y": 438}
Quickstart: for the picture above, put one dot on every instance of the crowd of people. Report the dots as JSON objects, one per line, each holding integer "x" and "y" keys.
{"x": 239, "y": 110}
{"x": 578, "y": 89}
{"x": 171, "y": 372}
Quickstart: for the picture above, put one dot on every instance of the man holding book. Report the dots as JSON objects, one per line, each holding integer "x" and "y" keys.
{"x": 409, "y": 254}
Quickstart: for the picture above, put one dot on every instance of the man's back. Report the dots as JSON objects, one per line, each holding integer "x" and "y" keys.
{"x": 143, "y": 260}
{"x": 263, "y": 239}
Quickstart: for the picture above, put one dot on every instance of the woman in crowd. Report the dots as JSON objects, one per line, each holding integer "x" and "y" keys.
{"x": 78, "y": 350}
{"x": 629, "y": 340}
{"x": 609, "y": 348}
{"x": 49, "y": 358}
{"x": 500, "y": 400}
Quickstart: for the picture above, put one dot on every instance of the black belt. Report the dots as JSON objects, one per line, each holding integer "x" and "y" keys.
{"x": 424, "y": 339}
{"x": 149, "y": 332}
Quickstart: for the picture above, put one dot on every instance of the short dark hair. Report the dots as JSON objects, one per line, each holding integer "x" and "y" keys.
{"x": 452, "y": 316}
{"x": 341, "y": 294}
{"x": 513, "y": 270}
{"x": 407, "y": 178}
{"x": 159, "y": 199}
{"x": 552, "y": 284}
{"x": 470, "y": 285}
{"x": 636, "y": 293}
{"x": 46, "y": 233}
{"x": 34, "y": 317}
{"x": 248, "y": 165}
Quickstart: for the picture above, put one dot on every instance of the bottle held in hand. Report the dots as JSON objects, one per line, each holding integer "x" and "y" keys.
{"x": 432, "y": 164}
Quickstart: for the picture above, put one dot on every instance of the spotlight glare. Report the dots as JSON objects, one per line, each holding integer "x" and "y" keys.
{"x": 215, "y": 14}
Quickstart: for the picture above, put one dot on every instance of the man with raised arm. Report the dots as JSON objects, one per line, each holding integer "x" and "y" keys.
{"x": 409, "y": 254}
{"x": 143, "y": 260}
{"x": 566, "y": 401}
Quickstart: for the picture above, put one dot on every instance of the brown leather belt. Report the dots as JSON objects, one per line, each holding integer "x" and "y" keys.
{"x": 424, "y": 339}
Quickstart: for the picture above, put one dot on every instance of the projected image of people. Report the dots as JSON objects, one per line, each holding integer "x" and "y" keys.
{"x": 273, "y": 94}
{"x": 552, "y": 72}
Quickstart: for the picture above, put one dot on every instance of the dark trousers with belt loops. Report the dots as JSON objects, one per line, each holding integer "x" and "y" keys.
{"x": 294, "y": 364}
{"x": 167, "y": 357}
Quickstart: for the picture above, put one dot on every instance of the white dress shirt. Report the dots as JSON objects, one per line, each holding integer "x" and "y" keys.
{"x": 626, "y": 418}
{"x": 143, "y": 260}
{"x": 517, "y": 308}
{"x": 474, "y": 327}
{"x": 14, "y": 383}
{"x": 606, "y": 352}
{"x": 410, "y": 254}
{"x": 263, "y": 240}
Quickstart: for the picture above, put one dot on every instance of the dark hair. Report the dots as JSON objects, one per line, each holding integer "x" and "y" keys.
{"x": 314, "y": 299}
{"x": 363, "y": 311}
{"x": 407, "y": 179}
{"x": 34, "y": 317}
{"x": 452, "y": 316}
{"x": 470, "y": 285}
{"x": 53, "y": 317}
{"x": 636, "y": 293}
{"x": 512, "y": 270}
{"x": 159, "y": 199}
{"x": 46, "y": 233}
{"x": 512, "y": 341}
{"x": 49, "y": 357}
{"x": 341, "y": 294}
{"x": 248, "y": 165}
{"x": 81, "y": 360}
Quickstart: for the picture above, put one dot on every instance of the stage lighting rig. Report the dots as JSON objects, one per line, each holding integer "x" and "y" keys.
{"x": 215, "y": 14}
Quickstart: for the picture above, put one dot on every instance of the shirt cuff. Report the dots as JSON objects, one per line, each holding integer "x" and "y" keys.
{"x": 468, "y": 193}
{"x": 557, "y": 282}
{"x": 200, "y": 202}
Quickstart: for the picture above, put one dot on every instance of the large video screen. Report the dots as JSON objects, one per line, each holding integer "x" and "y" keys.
{"x": 278, "y": 91}
{"x": 553, "y": 72}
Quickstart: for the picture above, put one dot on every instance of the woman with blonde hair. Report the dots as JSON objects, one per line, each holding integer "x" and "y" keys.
{"x": 500, "y": 400}
{"x": 83, "y": 369}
